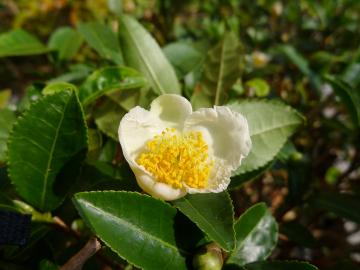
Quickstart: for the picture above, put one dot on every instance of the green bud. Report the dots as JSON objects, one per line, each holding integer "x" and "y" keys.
{"x": 208, "y": 258}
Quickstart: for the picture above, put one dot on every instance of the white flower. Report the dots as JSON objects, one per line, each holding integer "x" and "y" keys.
{"x": 173, "y": 150}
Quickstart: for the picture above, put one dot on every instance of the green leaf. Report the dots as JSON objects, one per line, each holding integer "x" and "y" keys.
{"x": 7, "y": 119}
{"x": 137, "y": 227}
{"x": 183, "y": 57}
{"x": 19, "y": 43}
{"x": 102, "y": 39}
{"x": 259, "y": 86}
{"x": 256, "y": 236}
{"x": 349, "y": 96}
{"x": 213, "y": 213}
{"x": 5, "y": 97}
{"x": 280, "y": 265}
{"x": 52, "y": 88}
{"x": 109, "y": 80}
{"x": 66, "y": 41}
{"x": 271, "y": 124}
{"x": 343, "y": 205}
{"x": 115, "y": 6}
{"x": 238, "y": 181}
{"x": 221, "y": 70}
{"x": 43, "y": 140}
{"x": 142, "y": 52}
{"x": 107, "y": 118}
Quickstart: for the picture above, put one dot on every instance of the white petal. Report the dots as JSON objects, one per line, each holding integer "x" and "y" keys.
{"x": 227, "y": 134}
{"x": 219, "y": 178}
{"x": 171, "y": 109}
{"x": 225, "y": 131}
{"x": 136, "y": 128}
{"x": 156, "y": 189}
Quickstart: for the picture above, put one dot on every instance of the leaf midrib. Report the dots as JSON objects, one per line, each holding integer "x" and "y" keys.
{"x": 143, "y": 59}
{"x": 133, "y": 227}
{"x": 51, "y": 154}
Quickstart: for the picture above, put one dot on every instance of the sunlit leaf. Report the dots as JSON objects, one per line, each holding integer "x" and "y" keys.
{"x": 256, "y": 236}
{"x": 137, "y": 227}
{"x": 213, "y": 213}
{"x": 43, "y": 140}
{"x": 142, "y": 52}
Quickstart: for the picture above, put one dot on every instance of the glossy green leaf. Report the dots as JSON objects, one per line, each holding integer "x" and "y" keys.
{"x": 349, "y": 96}
{"x": 256, "y": 236}
{"x": 183, "y": 57}
{"x": 7, "y": 119}
{"x": 280, "y": 265}
{"x": 271, "y": 124}
{"x": 137, "y": 227}
{"x": 108, "y": 81}
{"x": 66, "y": 41}
{"x": 213, "y": 213}
{"x": 142, "y": 52}
{"x": 43, "y": 140}
{"x": 102, "y": 39}
{"x": 32, "y": 93}
{"x": 221, "y": 70}
{"x": 343, "y": 205}
{"x": 107, "y": 118}
{"x": 19, "y": 43}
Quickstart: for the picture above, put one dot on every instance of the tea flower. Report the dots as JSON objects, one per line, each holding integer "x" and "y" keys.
{"x": 173, "y": 150}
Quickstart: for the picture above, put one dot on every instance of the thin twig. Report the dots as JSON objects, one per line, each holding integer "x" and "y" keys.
{"x": 78, "y": 260}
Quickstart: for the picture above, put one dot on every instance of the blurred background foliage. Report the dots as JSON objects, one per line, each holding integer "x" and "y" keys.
{"x": 304, "y": 52}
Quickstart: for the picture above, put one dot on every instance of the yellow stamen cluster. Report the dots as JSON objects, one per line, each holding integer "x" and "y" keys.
{"x": 175, "y": 159}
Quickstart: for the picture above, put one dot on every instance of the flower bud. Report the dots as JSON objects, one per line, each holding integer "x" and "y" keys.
{"x": 208, "y": 258}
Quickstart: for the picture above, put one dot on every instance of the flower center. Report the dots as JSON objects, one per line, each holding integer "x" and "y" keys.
{"x": 175, "y": 159}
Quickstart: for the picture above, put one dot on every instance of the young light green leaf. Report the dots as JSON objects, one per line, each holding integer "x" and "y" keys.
{"x": 52, "y": 88}
{"x": 109, "y": 80}
{"x": 142, "y": 52}
{"x": 221, "y": 70}
{"x": 213, "y": 213}
{"x": 7, "y": 119}
{"x": 343, "y": 205}
{"x": 19, "y": 43}
{"x": 66, "y": 41}
{"x": 280, "y": 265}
{"x": 43, "y": 140}
{"x": 260, "y": 87}
{"x": 271, "y": 124}
{"x": 137, "y": 227}
{"x": 256, "y": 236}
{"x": 102, "y": 39}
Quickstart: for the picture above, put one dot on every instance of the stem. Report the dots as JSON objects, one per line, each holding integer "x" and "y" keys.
{"x": 79, "y": 259}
